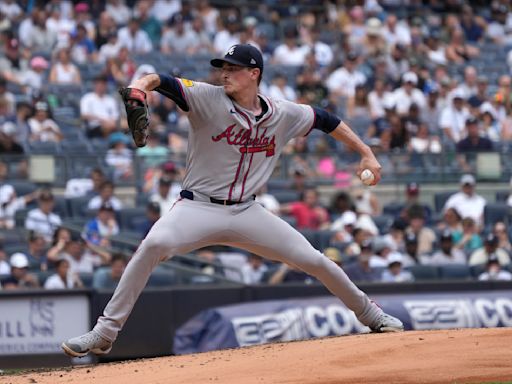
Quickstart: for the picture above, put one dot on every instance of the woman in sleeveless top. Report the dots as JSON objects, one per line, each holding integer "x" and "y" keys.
{"x": 63, "y": 70}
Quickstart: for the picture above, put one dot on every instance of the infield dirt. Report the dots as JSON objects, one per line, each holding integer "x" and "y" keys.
{"x": 449, "y": 356}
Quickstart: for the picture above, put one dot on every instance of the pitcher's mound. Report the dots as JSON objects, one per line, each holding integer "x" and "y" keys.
{"x": 462, "y": 356}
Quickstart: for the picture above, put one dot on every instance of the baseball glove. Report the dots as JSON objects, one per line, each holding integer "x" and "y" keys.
{"x": 137, "y": 114}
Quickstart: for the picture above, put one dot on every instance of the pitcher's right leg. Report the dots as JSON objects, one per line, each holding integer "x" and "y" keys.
{"x": 187, "y": 226}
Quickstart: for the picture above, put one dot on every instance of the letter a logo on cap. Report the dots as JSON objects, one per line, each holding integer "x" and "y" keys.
{"x": 231, "y": 50}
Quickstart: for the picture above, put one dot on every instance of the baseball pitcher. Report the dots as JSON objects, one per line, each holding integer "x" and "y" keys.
{"x": 235, "y": 139}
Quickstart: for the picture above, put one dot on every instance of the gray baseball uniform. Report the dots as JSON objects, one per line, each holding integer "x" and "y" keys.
{"x": 231, "y": 155}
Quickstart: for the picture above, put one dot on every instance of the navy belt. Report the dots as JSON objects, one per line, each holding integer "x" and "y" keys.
{"x": 190, "y": 196}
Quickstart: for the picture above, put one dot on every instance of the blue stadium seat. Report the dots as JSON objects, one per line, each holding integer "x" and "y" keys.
{"x": 290, "y": 220}
{"x": 78, "y": 206}
{"x": 44, "y": 147}
{"x": 494, "y": 212}
{"x": 86, "y": 279}
{"x": 286, "y": 196}
{"x": 127, "y": 215}
{"x": 455, "y": 272}
{"x": 311, "y": 235}
{"x": 162, "y": 278}
{"x": 502, "y": 196}
{"x": 477, "y": 270}
{"x": 424, "y": 272}
{"x": 440, "y": 199}
{"x": 393, "y": 209}
{"x": 61, "y": 207}
{"x": 23, "y": 187}
{"x": 383, "y": 223}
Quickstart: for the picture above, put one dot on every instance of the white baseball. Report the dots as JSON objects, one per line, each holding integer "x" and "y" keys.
{"x": 367, "y": 177}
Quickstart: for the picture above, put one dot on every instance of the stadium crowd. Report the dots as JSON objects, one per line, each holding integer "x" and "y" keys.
{"x": 411, "y": 77}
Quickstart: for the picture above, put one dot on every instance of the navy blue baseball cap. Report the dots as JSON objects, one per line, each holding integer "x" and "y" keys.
{"x": 245, "y": 55}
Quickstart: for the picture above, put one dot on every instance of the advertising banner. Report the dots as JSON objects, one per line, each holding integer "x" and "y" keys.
{"x": 284, "y": 320}
{"x": 38, "y": 325}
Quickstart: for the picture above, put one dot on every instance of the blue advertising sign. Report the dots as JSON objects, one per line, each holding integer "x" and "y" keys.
{"x": 284, "y": 320}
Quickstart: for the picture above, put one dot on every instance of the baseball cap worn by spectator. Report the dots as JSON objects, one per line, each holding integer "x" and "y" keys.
{"x": 39, "y": 62}
{"x": 413, "y": 189}
{"x": 333, "y": 254}
{"x": 471, "y": 120}
{"x": 446, "y": 235}
{"x": 394, "y": 258}
{"x": 244, "y": 55}
{"x": 46, "y": 196}
{"x": 467, "y": 179}
{"x": 410, "y": 77}
{"x": 19, "y": 260}
{"x": 410, "y": 238}
{"x": 491, "y": 239}
{"x": 106, "y": 206}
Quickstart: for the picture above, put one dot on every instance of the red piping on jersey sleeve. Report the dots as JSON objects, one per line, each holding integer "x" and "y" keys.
{"x": 312, "y": 125}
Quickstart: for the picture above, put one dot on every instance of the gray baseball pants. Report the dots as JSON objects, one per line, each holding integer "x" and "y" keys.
{"x": 192, "y": 224}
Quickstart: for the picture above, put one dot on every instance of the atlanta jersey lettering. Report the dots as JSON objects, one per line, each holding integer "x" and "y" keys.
{"x": 230, "y": 154}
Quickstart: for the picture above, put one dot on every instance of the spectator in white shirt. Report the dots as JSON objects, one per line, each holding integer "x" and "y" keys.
{"x": 165, "y": 197}
{"x": 343, "y": 81}
{"x": 490, "y": 248}
{"x": 134, "y": 38}
{"x": 290, "y": 52}
{"x": 453, "y": 117}
{"x": 494, "y": 271}
{"x": 163, "y": 10}
{"x": 279, "y": 89}
{"x": 253, "y": 270}
{"x": 268, "y": 200}
{"x": 62, "y": 278}
{"x": 80, "y": 259}
{"x": 42, "y": 128}
{"x": 11, "y": 9}
{"x": 447, "y": 254}
{"x": 106, "y": 195}
{"x": 34, "y": 78}
{"x": 42, "y": 220}
{"x": 119, "y": 11}
{"x": 376, "y": 99}
{"x": 395, "y": 272}
{"x": 63, "y": 71}
{"x": 408, "y": 94}
{"x": 396, "y": 32}
{"x": 467, "y": 202}
{"x": 179, "y": 38}
{"x": 228, "y": 36}
{"x": 469, "y": 86}
{"x": 119, "y": 157}
{"x": 99, "y": 110}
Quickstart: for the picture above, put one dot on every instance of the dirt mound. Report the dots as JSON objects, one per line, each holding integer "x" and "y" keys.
{"x": 462, "y": 356}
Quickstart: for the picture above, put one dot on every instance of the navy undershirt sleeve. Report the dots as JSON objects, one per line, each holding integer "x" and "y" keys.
{"x": 325, "y": 121}
{"x": 170, "y": 87}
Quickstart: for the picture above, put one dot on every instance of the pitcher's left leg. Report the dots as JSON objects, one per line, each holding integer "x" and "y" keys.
{"x": 263, "y": 233}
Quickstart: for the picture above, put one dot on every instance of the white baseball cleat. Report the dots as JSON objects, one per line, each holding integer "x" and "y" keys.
{"x": 387, "y": 323}
{"x": 89, "y": 342}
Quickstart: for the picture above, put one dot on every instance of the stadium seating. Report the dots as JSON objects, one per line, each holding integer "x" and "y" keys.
{"x": 455, "y": 272}
{"x": 424, "y": 272}
{"x": 440, "y": 199}
{"x": 494, "y": 212}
